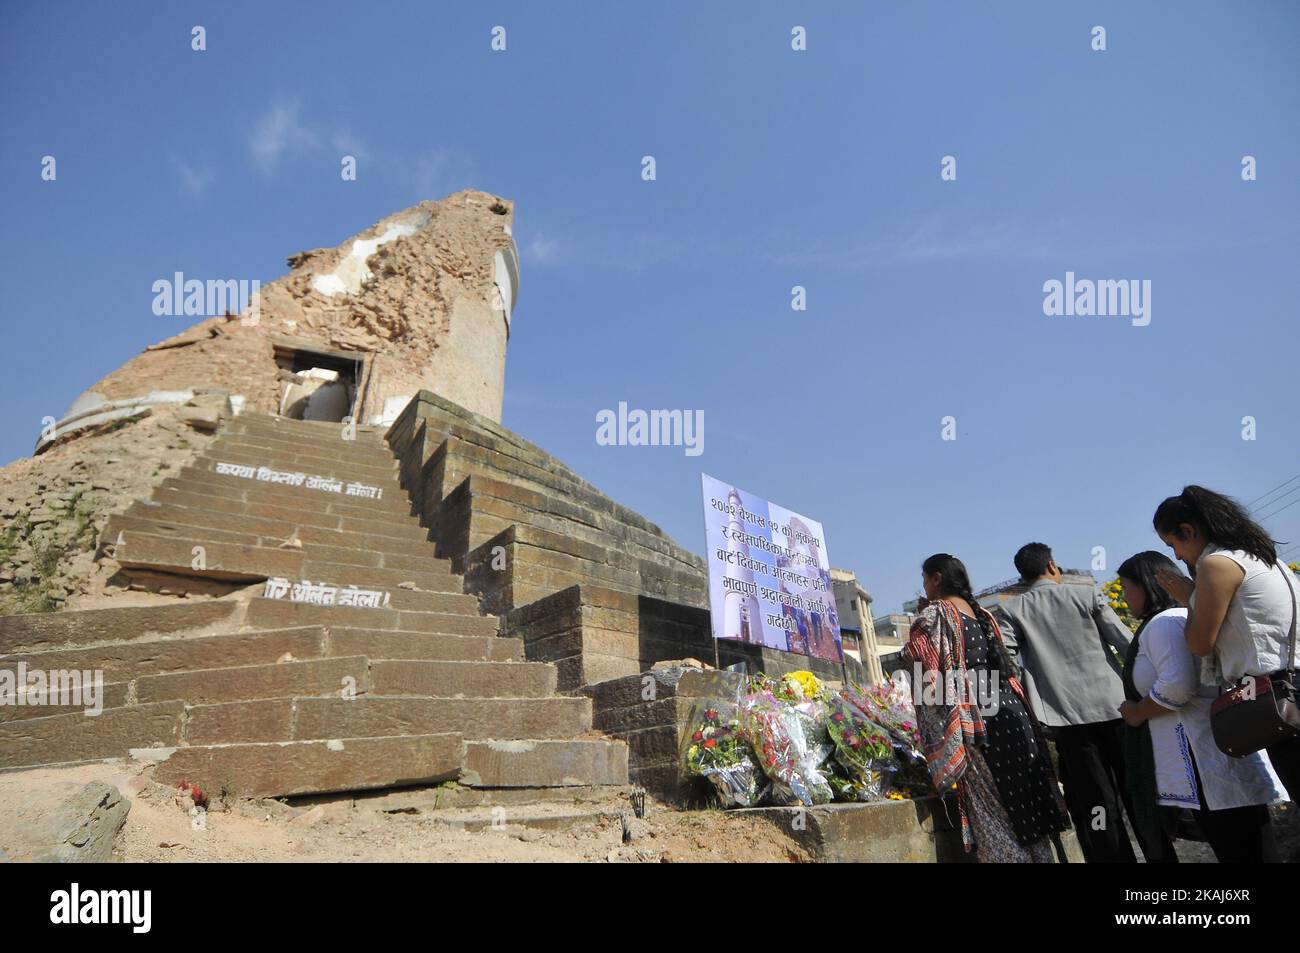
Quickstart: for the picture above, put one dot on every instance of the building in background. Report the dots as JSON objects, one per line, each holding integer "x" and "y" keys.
{"x": 891, "y": 635}
{"x": 857, "y": 634}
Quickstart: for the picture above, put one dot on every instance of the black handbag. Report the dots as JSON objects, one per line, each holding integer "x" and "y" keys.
{"x": 1260, "y": 710}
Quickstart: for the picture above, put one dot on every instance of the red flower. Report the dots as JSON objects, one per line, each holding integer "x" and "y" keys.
{"x": 697, "y": 736}
{"x": 712, "y": 742}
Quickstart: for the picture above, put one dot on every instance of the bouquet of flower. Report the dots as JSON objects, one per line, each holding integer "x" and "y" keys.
{"x": 775, "y": 732}
{"x": 792, "y": 687}
{"x": 806, "y": 697}
{"x": 891, "y": 707}
{"x": 717, "y": 752}
{"x": 862, "y": 749}
{"x": 869, "y": 786}
{"x": 912, "y": 778}
{"x": 803, "y": 685}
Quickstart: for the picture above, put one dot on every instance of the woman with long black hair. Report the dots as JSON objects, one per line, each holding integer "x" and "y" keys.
{"x": 981, "y": 741}
{"x": 1243, "y": 602}
{"x": 1170, "y": 754}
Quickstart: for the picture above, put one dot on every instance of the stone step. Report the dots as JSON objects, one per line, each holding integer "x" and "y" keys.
{"x": 340, "y": 451}
{"x": 426, "y": 570}
{"x": 435, "y": 592}
{"x": 280, "y": 769}
{"x": 467, "y": 679}
{"x": 392, "y": 598}
{"x": 422, "y": 800}
{"x": 226, "y": 561}
{"x": 278, "y": 455}
{"x": 279, "y": 530}
{"x": 393, "y": 506}
{"x": 312, "y": 433}
{"x": 533, "y": 764}
{"x": 281, "y": 614}
{"x": 109, "y": 695}
{"x": 191, "y": 489}
{"x": 124, "y": 661}
{"x": 346, "y": 472}
{"x": 303, "y": 719}
{"x": 203, "y": 500}
{"x": 119, "y": 664}
{"x": 234, "y": 562}
{"x": 53, "y": 630}
{"x": 379, "y": 644}
{"x": 317, "y": 676}
{"x": 498, "y": 504}
{"x": 80, "y": 737}
{"x": 359, "y": 566}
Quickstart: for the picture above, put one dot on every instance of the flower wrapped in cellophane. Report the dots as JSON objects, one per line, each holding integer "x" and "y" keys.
{"x": 863, "y": 750}
{"x": 775, "y": 731}
{"x": 716, "y": 751}
{"x": 892, "y": 706}
{"x": 870, "y": 786}
{"x": 889, "y": 705}
{"x": 806, "y": 696}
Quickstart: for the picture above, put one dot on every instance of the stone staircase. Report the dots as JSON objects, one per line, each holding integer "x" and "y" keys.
{"x": 244, "y": 693}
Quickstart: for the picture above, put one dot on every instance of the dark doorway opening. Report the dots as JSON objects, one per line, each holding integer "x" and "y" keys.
{"x": 317, "y": 384}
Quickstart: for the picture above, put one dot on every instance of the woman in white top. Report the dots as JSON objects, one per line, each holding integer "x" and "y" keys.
{"x": 1171, "y": 755}
{"x": 1243, "y": 602}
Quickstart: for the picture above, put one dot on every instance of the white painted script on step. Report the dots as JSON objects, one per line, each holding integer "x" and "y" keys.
{"x": 322, "y": 594}
{"x": 311, "y": 482}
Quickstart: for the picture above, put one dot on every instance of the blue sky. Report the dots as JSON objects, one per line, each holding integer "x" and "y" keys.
{"x": 775, "y": 169}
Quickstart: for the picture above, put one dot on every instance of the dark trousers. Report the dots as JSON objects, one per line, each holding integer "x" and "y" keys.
{"x": 1237, "y": 835}
{"x": 1286, "y": 762}
{"x": 1092, "y": 773}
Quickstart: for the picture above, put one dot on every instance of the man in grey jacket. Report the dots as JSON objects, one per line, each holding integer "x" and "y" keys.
{"x": 1072, "y": 645}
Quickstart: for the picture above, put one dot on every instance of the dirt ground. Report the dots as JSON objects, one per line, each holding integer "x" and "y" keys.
{"x": 161, "y": 828}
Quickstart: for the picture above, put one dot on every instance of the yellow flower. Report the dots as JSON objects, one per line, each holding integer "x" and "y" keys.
{"x": 809, "y": 685}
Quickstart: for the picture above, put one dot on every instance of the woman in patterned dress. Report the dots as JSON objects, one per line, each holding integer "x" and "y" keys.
{"x": 981, "y": 741}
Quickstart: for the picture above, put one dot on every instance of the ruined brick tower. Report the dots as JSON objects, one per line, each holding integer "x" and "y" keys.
{"x": 280, "y": 605}
{"x": 421, "y": 300}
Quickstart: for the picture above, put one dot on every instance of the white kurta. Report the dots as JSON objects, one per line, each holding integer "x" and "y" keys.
{"x": 1166, "y": 671}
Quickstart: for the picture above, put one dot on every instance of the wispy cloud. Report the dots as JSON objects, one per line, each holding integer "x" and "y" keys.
{"x": 544, "y": 250}
{"x": 195, "y": 181}
{"x": 929, "y": 240}
{"x": 623, "y": 251}
{"x": 936, "y": 238}
{"x": 280, "y": 132}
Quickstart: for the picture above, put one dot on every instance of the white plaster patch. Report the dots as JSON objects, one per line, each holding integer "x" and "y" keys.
{"x": 352, "y": 272}
{"x": 334, "y": 745}
{"x": 155, "y": 755}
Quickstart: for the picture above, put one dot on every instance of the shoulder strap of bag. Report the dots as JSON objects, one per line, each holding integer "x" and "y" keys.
{"x": 1289, "y": 578}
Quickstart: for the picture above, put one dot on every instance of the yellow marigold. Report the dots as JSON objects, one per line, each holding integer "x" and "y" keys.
{"x": 809, "y": 684}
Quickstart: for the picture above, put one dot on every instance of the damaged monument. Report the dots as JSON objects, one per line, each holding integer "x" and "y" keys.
{"x": 308, "y": 558}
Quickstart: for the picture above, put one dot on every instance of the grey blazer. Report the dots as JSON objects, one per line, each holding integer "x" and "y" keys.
{"x": 1066, "y": 637}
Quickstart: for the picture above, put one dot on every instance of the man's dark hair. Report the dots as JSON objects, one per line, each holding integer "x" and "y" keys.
{"x": 1032, "y": 560}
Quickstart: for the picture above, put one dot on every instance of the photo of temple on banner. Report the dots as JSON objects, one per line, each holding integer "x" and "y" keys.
{"x": 769, "y": 575}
